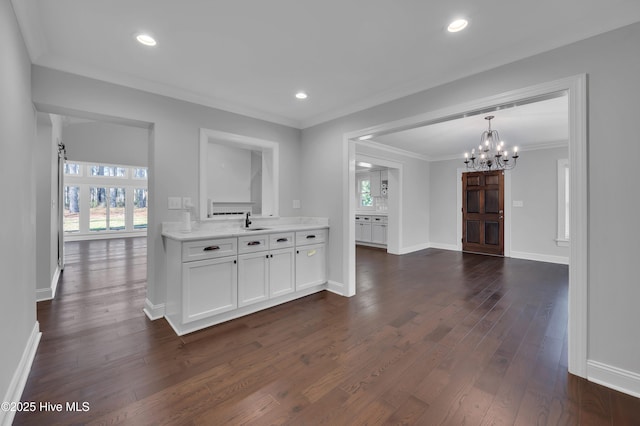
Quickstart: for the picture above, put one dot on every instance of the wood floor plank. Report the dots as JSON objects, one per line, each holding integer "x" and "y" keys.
{"x": 431, "y": 337}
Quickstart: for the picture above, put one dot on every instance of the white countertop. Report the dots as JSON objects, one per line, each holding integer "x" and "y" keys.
{"x": 205, "y": 230}
{"x": 372, "y": 214}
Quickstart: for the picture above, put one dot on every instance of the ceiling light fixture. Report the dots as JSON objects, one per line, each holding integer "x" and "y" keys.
{"x": 146, "y": 39}
{"x": 363, "y": 164}
{"x": 301, "y": 95}
{"x": 457, "y": 25}
{"x": 492, "y": 154}
{"x": 365, "y": 137}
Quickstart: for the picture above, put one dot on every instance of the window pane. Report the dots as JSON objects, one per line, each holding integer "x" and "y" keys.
{"x": 71, "y": 213}
{"x": 100, "y": 170}
{"x": 117, "y": 209}
{"x": 365, "y": 193}
{"x": 140, "y": 208}
{"x": 71, "y": 169}
{"x": 97, "y": 209}
{"x": 140, "y": 173}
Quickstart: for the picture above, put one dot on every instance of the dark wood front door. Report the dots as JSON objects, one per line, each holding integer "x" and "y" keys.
{"x": 483, "y": 212}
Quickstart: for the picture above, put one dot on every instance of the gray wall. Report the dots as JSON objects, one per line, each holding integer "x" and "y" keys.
{"x": 613, "y": 65}
{"x": 17, "y": 215}
{"x": 173, "y": 149}
{"x": 533, "y": 226}
{"x": 106, "y": 143}
{"x": 46, "y": 175}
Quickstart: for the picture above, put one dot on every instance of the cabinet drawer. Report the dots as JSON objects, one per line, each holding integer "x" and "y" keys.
{"x": 208, "y": 249}
{"x": 312, "y": 236}
{"x": 253, "y": 243}
{"x": 281, "y": 240}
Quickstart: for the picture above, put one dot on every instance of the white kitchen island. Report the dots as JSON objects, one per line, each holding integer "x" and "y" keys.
{"x": 221, "y": 271}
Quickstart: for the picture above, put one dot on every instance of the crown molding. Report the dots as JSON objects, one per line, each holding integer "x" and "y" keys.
{"x": 382, "y": 147}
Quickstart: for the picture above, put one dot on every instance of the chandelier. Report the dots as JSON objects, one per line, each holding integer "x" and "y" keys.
{"x": 492, "y": 154}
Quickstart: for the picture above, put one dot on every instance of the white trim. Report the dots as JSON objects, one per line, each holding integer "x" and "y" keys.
{"x": 538, "y": 257}
{"x": 576, "y": 86}
{"x": 103, "y": 235}
{"x": 441, "y": 246}
{"x": 562, "y": 166}
{"x": 382, "y": 147}
{"x": 336, "y": 287}
{"x": 43, "y": 294}
{"x": 20, "y": 376}
{"x": 270, "y": 149}
{"x": 615, "y": 378}
{"x": 411, "y": 249}
{"x": 152, "y": 311}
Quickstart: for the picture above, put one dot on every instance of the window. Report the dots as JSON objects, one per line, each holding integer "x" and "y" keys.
{"x": 107, "y": 199}
{"x": 71, "y": 200}
{"x": 102, "y": 170}
{"x": 562, "y": 238}
{"x": 140, "y": 208}
{"x": 72, "y": 169}
{"x": 365, "y": 200}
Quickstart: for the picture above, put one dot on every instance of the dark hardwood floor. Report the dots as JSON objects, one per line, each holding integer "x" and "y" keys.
{"x": 433, "y": 337}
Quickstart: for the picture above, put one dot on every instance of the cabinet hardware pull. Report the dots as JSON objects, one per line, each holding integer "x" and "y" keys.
{"x": 272, "y": 256}
{"x": 310, "y": 237}
{"x": 298, "y": 251}
{"x": 211, "y": 248}
{"x": 282, "y": 240}
{"x": 266, "y": 256}
{"x": 253, "y": 243}
{"x": 234, "y": 262}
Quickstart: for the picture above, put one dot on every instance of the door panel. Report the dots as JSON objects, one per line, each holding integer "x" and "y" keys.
{"x": 483, "y": 212}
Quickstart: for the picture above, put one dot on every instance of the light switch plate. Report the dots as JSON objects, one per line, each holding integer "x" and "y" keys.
{"x": 175, "y": 203}
{"x": 296, "y": 204}
{"x": 518, "y": 204}
{"x": 186, "y": 202}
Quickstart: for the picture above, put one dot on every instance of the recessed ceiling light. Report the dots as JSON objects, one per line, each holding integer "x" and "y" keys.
{"x": 365, "y": 137}
{"x": 457, "y": 25}
{"x": 301, "y": 95}
{"x": 146, "y": 39}
{"x": 363, "y": 164}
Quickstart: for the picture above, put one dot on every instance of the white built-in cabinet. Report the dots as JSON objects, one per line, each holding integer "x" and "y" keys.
{"x": 311, "y": 258}
{"x": 214, "y": 280}
{"x": 209, "y": 277}
{"x": 371, "y": 229}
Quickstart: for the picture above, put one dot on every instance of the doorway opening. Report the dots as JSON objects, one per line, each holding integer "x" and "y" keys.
{"x": 576, "y": 89}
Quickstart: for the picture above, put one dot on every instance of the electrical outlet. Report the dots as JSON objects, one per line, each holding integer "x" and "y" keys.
{"x": 175, "y": 203}
{"x": 186, "y": 202}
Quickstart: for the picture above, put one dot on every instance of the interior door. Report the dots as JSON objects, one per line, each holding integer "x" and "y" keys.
{"x": 483, "y": 212}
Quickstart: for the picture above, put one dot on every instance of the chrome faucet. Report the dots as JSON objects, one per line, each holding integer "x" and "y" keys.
{"x": 247, "y": 222}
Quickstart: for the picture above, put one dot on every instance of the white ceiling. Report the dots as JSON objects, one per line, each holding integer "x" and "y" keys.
{"x": 251, "y": 56}
{"x": 534, "y": 125}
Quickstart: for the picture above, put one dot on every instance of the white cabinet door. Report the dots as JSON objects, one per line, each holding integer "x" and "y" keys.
{"x": 365, "y": 232}
{"x": 379, "y": 233}
{"x": 253, "y": 278}
{"x": 311, "y": 266}
{"x": 281, "y": 272}
{"x": 209, "y": 288}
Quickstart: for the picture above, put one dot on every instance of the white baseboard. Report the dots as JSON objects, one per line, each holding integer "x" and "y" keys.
{"x": 444, "y": 246}
{"x": 562, "y": 260}
{"x": 411, "y": 249}
{"x": 43, "y": 294}
{"x": 19, "y": 380}
{"x": 152, "y": 311}
{"x": 614, "y": 378}
{"x": 337, "y": 288}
